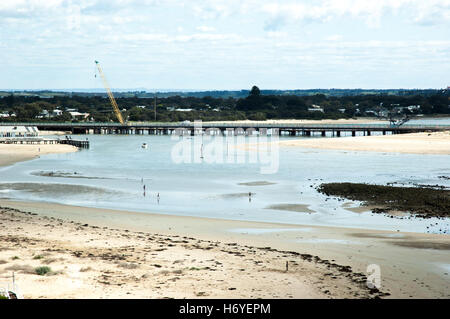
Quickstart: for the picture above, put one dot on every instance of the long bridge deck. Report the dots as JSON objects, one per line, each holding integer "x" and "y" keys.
{"x": 171, "y": 127}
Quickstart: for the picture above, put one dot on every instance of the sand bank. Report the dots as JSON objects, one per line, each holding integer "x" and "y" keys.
{"x": 97, "y": 253}
{"x": 415, "y": 143}
{"x": 12, "y": 153}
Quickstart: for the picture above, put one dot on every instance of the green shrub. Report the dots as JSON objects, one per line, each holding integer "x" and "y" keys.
{"x": 42, "y": 271}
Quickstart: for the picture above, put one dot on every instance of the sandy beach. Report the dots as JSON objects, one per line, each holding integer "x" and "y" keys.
{"x": 94, "y": 261}
{"x": 415, "y": 143}
{"x": 97, "y": 253}
{"x": 12, "y": 153}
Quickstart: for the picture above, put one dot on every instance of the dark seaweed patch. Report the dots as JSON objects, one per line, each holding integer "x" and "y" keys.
{"x": 420, "y": 201}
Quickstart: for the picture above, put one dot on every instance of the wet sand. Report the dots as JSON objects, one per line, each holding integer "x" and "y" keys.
{"x": 415, "y": 143}
{"x": 140, "y": 255}
{"x": 13, "y": 153}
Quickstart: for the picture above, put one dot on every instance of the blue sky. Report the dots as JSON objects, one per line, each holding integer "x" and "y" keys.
{"x": 225, "y": 44}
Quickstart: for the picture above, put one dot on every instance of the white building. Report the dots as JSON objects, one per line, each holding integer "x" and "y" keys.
{"x": 315, "y": 108}
{"x": 57, "y": 112}
{"x": 6, "y": 115}
{"x": 18, "y": 131}
{"x": 78, "y": 115}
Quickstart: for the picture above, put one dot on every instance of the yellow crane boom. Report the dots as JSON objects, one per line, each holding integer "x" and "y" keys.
{"x": 110, "y": 95}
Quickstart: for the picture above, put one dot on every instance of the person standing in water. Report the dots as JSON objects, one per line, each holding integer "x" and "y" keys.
{"x": 249, "y": 197}
{"x": 157, "y": 198}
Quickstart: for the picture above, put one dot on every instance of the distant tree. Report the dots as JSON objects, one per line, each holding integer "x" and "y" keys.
{"x": 9, "y": 100}
{"x": 255, "y": 91}
{"x": 27, "y": 112}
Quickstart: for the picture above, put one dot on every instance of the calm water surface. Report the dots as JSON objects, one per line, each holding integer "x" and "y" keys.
{"x": 110, "y": 175}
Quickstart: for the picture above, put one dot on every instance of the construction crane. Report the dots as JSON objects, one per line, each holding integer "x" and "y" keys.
{"x": 110, "y": 95}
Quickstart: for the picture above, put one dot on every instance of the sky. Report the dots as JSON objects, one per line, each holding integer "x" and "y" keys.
{"x": 225, "y": 44}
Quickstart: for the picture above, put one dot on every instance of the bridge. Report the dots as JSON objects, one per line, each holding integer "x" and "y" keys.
{"x": 230, "y": 128}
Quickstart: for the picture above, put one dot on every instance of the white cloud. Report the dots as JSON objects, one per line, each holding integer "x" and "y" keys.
{"x": 334, "y": 37}
{"x": 204, "y": 28}
{"x": 371, "y": 11}
{"x": 173, "y": 36}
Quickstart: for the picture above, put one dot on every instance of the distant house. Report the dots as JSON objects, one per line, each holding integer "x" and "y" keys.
{"x": 79, "y": 116}
{"x": 57, "y": 113}
{"x": 18, "y": 131}
{"x": 46, "y": 114}
{"x": 141, "y": 106}
{"x": 43, "y": 114}
{"x": 184, "y": 110}
{"x": 341, "y": 110}
{"x": 413, "y": 108}
{"x": 6, "y": 115}
{"x": 315, "y": 108}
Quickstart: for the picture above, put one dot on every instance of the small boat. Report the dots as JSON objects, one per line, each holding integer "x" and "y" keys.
{"x": 144, "y": 145}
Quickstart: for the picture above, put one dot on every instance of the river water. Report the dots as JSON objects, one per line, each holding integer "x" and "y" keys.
{"x": 113, "y": 172}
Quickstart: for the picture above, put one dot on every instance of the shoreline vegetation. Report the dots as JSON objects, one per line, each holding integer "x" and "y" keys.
{"x": 251, "y": 104}
{"x": 422, "y": 202}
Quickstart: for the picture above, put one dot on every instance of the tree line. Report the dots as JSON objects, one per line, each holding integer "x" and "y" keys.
{"x": 254, "y": 106}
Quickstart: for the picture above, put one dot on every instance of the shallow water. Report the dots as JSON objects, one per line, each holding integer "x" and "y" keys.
{"x": 117, "y": 164}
